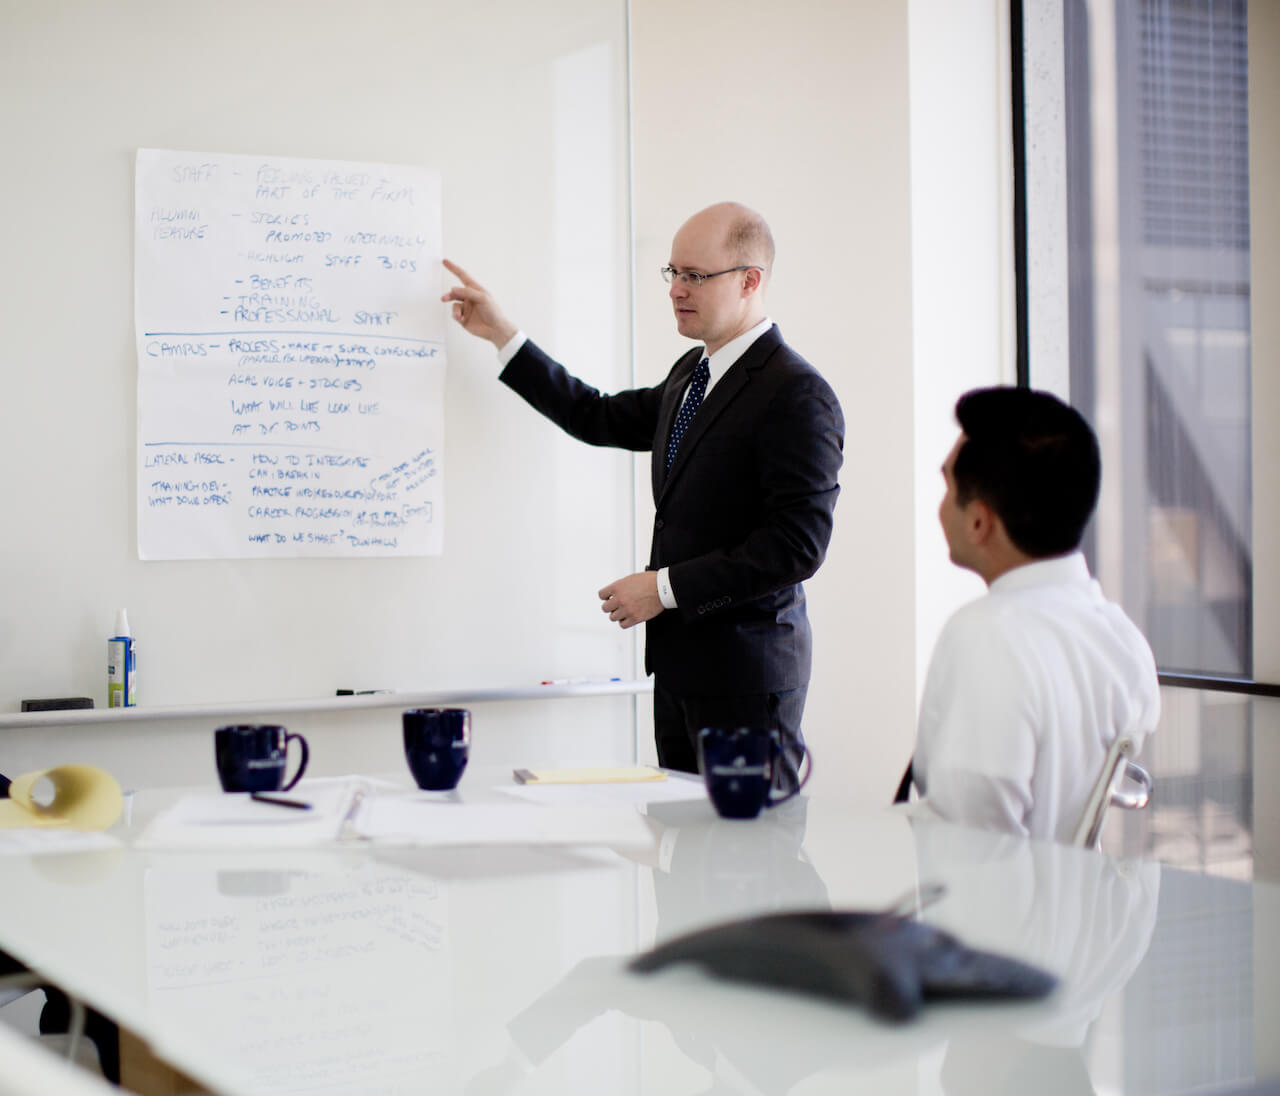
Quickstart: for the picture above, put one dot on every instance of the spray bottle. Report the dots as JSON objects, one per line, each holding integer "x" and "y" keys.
{"x": 122, "y": 681}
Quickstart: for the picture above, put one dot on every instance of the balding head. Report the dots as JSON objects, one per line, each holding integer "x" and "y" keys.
{"x": 731, "y": 248}
{"x": 743, "y": 232}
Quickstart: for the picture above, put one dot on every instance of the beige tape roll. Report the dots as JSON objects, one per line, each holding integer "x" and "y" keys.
{"x": 84, "y": 798}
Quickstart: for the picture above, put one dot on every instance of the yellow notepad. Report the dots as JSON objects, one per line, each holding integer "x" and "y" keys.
{"x": 619, "y": 775}
{"x": 84, "y": 798}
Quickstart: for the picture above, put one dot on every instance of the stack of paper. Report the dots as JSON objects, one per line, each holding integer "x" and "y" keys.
{"x": 234, "y": 820}
{"x": 677, "y": 789}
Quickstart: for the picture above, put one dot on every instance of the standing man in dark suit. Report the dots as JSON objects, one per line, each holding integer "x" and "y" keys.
{"x": 747, "y": 441}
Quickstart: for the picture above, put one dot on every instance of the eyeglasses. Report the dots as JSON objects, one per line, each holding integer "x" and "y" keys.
{"x": 693, "y": 278}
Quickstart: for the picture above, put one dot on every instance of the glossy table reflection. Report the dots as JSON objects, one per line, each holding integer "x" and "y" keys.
{"x": 485, "y": 971}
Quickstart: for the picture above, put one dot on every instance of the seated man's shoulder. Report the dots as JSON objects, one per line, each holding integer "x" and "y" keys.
{"x": 979, "y": 637}
{"x": 1052, "y": 641}
{"x": 990, "y": 615}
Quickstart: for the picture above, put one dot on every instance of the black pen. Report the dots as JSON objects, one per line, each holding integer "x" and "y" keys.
{"x": 279, "y": 801}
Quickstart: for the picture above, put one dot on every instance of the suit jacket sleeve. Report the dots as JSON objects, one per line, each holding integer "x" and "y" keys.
{"x": 624, "y": 421}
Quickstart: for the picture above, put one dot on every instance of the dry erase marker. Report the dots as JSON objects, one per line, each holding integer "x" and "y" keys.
{"x": 580, "y": 680}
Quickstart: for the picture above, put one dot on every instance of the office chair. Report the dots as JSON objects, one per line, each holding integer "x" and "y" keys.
{"x": 1120, "y": 783}
{"x": 63, "y": 1015}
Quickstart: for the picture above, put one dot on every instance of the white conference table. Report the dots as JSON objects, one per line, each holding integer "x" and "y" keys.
{"x": 361, "y": 969}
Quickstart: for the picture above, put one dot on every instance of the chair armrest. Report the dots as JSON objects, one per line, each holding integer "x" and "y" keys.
{"x": 1134, "y": 791}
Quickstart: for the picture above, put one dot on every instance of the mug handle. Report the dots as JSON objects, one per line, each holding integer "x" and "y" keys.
{"x": 806, "y": 763}
{"x": 306, "y": 756}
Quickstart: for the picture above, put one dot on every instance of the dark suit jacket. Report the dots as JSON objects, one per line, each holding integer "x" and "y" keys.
{"x": 743, "y": 516}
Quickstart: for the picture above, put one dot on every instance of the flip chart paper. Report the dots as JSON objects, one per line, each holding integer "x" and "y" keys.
{"x": 291, "y": 360}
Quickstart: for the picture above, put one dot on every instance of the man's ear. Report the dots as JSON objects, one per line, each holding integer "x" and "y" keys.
{"x": 980, "y": 523}
{"x": 752, "y": 282}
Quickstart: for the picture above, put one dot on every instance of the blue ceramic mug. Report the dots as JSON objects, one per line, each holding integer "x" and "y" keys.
{"x": 253, "y": 757}
{"x": 437, "y": 743}
{"x": 740, "y": 766}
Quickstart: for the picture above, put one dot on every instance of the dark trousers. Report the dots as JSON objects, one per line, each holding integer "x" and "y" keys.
{"x": 678, "y": 719}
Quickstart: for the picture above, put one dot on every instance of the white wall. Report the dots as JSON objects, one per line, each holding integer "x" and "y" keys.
{"x": 805, "y": 112}
{"x": 872, "y": 136}
{"x": 962, "y": 261}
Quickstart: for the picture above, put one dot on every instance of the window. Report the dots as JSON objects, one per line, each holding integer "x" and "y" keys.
{"x": 1158, "y": 296}
{"x": 1136, "y": 290}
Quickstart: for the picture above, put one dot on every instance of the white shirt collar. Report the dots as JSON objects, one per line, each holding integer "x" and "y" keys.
{"x": 720, "y": 361}
{"x": 1055, "y": 570}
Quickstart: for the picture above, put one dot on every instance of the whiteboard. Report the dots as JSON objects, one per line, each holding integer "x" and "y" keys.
{"x": 522, "y": 109}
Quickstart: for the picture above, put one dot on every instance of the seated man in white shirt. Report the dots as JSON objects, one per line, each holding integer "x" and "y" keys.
{"x": 1030, "y": 684}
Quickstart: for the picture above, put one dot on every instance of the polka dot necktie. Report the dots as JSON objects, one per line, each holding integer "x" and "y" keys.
{"x": 692, "y": 401}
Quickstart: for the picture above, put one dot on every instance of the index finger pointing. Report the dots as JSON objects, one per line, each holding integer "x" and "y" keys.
{"x": 462, "y": 276}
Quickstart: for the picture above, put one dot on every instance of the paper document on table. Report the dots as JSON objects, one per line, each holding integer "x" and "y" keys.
{"x": 616, "y": 774}
{"x": 413, "y": 820}
{"x": 676, "y": 790}
{"x": 234, "y": 820}
{"x": 27, "y": 842}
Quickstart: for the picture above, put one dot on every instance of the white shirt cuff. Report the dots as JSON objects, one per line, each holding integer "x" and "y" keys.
{"x": 511, "y": 348}
{"x": 665, "y": 594}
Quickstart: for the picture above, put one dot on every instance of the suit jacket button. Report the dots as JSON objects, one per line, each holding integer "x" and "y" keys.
{"x": 659, "y": 524}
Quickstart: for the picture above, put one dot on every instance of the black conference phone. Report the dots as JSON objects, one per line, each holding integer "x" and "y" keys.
{"x": 889, "y": 963}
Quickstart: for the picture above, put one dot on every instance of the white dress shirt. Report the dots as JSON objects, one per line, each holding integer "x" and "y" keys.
{"x": 718, "y": 364}
{"x": 1027, "y": 688}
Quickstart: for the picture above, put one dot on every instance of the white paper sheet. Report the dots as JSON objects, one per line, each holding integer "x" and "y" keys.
{"x": 290, "y": 357}
{"x": 672, "y": 790}
{"x": 26, "y": 842}
{"x": 421, "y": 821}
{"x": 234, "y": 820}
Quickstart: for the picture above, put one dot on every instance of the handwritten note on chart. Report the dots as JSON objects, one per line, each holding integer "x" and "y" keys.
{"x": 290, "y": 357}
